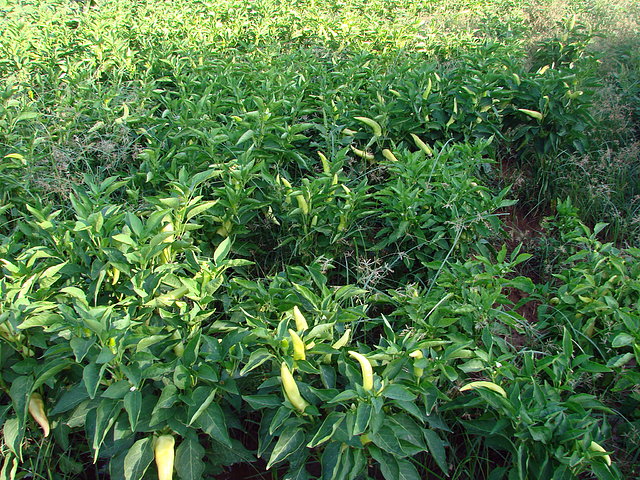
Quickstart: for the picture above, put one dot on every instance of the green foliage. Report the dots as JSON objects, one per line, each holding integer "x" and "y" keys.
{"x": 179, "y": 182}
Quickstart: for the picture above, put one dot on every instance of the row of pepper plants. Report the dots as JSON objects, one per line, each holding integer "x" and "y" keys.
{"x": 125, "y": 330}
{"x": 318, "y": 289}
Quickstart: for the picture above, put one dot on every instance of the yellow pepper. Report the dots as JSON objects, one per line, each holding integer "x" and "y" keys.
{"x": 343, "y": 340}
{"x": 166, "y": 253}
{"x": 298, "y": 346}
{"x": 291, "y": 389}
{"x": 388, "y": 154}
{"x": 367, "y": 370}
{"x": 115, "y": 275}
{"x": 489, "y": 385}
{"x": 418, "y": 372}
{"x": 286, "y": 183}
{"x": 302, "y": 204}
{"x": 36, "y": 409}
{"x": 362, "y": 153}
{"x": 375, "y": 126}
{"x": 594, "y": 447}
{"x": 427, "y": 91}
{"x": 271, "y": 217}
{"x": 301, "y": 322}
{"x": 164, "y": 454}
{"x": 111, "y": 343}
{"x": 326, "y": 167}
{"x": 421, "y": 145}
{"x": 338, "y": 344}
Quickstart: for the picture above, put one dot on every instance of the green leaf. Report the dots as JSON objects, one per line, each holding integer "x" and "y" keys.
{"x": 386, "y": 439}
{"x": 212, "y": 422}
{"x": 281, "y": 415}
{"x": 52, "y": 271}
{"x": 288, "y": 443}
{"x": 160, "y": 238}
{"x": 359, "y": 463}
{"x": 117, "y": 390}
{"x": 407, "y": 471}
{"x": 20, "y": 393}
{"x": 198, "y": 209}
{"x": 79, "y": 415}
{"x": 4, "y": 409}
{"x": 138, "y": 458}
{"x": 168, "y": 397}
{"x": 124, "y": 238}
{"x": 147, "y": 342}
{"x": 567, "y": 343}
{"x": 330, "y": 459}
{"x": 598, "y": 227}
{"x": 299, "y": 473}
{"x": 620, "y": 360}
{"x": 449, "y": 372}
{"x": 26, "y": 116}
{"x": 171, "y": 202}
{"x": 81, "y": 347}
{"x": 49, "y": 370}
{"x": 322, "y": 330}
{"x": 43, "y": 320}
{"x": 307, "y": 294}
{"x": 622, "y": 340}
{"x": 388, "y": 463}
{"x": 594, "y": 367}
{"x": 474, "y": 365}
{"x": 202, "y": 397}
{"x": 603, "y": 471}
{"x": 134, "y": 222}
{"x": 222, "y": 251}
{"x": 363, "y": 415}
{"x": 344, "y": 396}
{"x": 9, "y": 468}
{"x": 133, "y": 405}
{"x": 345, "y": 464}
{"x": 106, "y": 415}
{"x": 188, "y": 461}
{"x": 91, "y": 375}
{"x": 13, "y": 433}
{"x": 408, "y": 430}
{"x": 398, "y": 392}
{"x": 436, "y": 448}
{"x": 116, "y": 465}
{"x": 348, "y": 291}
{"x": 245, "y": 136}
{"x": 502, "y": 254}
{"x": 70, "y": 399}
{"x": 262, "y": 401}
{"x": 327, "y": 429}
{"x": 257, "y": 358}
{"x": 412, "y": 408}
{"x": 201, "y": 177}
{"x": 181, "y": 377}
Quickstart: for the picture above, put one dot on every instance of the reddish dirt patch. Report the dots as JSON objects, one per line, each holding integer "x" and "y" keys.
{"x": 525, "y": 307}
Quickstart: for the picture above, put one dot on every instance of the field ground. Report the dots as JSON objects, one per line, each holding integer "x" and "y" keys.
{"x": 320, "y": 239}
